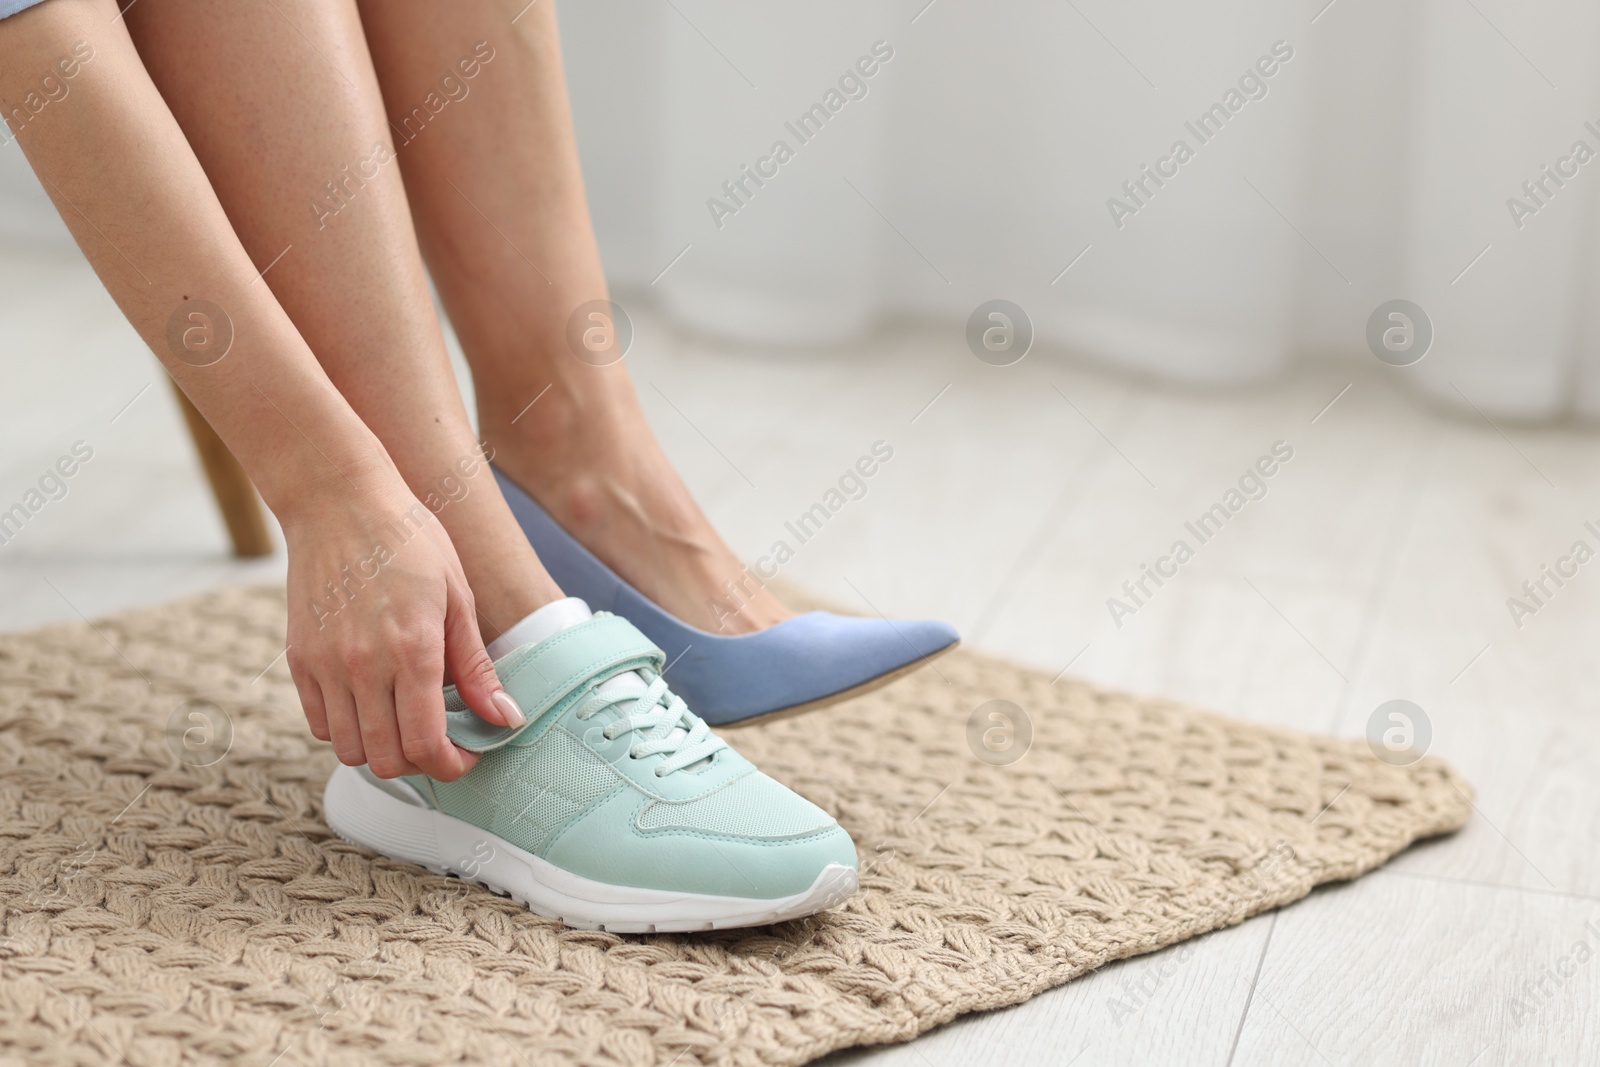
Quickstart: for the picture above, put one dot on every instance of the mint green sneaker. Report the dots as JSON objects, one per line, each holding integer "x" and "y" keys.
{"x": 614, "y": 807}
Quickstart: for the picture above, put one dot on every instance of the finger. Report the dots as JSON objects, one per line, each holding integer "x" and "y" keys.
{"x": 344, "y": 728}
{"x": 310, "y": 700}
{"x": 380, "y": 734}
{"x": 419, "y": 712}
{"x": 470, "y": 665}
{"x": 419, "y": 706}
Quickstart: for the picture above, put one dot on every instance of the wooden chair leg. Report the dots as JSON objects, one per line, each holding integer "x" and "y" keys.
{"x": 236, "y": 496}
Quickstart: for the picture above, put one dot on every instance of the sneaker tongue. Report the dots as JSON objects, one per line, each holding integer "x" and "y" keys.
{"x": 550, "y": 620}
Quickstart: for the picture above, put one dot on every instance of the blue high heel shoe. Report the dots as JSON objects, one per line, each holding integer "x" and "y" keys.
{"x": 801, "y": 663}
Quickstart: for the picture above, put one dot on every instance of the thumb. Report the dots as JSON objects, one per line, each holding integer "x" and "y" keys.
{"x": 469, "y": 664}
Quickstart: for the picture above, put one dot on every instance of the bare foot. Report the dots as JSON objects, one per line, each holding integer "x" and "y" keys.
{"x": 586, "y": 454}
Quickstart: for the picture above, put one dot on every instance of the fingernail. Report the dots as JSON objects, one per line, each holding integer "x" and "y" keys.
{"x": 507, "y": 707}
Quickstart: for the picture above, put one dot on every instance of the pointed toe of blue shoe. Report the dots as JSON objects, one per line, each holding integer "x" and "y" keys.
{"x": 800, "y": 662}
{"x": 807, "y": 660}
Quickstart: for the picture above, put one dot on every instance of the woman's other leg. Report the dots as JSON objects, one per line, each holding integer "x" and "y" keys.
{"x": 499, "y": 204}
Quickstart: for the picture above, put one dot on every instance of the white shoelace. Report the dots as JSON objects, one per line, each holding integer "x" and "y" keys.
{"x": 668, "y": 727}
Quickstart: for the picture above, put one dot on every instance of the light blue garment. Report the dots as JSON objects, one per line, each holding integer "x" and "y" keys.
{"x": 11, "y": 7}
{"x": 727, "y": 678}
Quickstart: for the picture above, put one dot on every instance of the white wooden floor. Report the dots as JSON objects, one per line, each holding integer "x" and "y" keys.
{"x": 1377, "y": 567}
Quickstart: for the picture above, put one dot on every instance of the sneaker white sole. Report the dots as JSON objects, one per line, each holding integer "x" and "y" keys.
{"x": 368, "y": 815}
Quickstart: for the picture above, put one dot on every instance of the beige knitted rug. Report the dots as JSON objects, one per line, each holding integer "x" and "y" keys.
{"x": 169, "y": 894}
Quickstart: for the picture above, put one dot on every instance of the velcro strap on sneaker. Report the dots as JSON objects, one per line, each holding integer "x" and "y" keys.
{"x": 547, "y": 678}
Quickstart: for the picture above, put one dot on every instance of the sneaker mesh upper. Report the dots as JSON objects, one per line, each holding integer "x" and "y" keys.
{"x": 752, "y": 806}
{"x": 525, "y": 794}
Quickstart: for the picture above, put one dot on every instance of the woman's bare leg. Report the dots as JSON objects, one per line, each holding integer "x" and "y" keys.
{"x": 499, "y": 204}
{"x": 126, "y": 180}
{"x": 282, "y": 107}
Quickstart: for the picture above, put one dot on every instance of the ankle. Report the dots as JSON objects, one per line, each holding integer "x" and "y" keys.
{"x": 553, "y": 397}
{"x": 586, "y": 454}
{"x": 507, "y": 580}
{"x": 569, "y": 434}
{"x": 501, "y": 605}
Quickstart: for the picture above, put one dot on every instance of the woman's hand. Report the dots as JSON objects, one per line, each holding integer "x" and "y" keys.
{"x": 378, "y": 610}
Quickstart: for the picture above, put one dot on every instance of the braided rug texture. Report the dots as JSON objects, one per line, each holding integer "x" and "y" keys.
{"x": 162, "y": 912}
